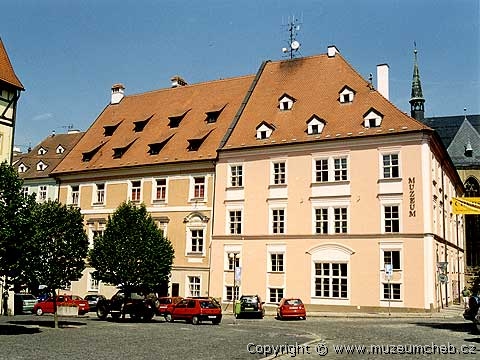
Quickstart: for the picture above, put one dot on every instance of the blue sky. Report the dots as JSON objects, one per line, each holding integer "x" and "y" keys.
{"x": 68, "y": 54}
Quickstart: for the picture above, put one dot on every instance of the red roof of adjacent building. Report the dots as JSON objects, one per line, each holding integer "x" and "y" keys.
{"x": 6, "y": 70}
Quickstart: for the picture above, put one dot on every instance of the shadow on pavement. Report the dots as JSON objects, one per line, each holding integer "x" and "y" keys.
{"x": 466, "y": 327}
{"x": 17, "y": 330}
{"x": 47, "y": 323}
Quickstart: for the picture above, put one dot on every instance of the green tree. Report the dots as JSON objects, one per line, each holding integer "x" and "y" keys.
{"x": 15, "y": 223}
{"x": 55, "y": 255}
{"x": 132, "y": 252}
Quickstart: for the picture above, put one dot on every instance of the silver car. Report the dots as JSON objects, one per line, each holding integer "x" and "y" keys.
{"x": 24, "y": 303}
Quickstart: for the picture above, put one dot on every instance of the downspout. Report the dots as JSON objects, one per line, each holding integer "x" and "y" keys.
{"x": 211, "y": 230}
{"x": 458, "y": 260}
{"x": 444, "y": 236}
{"x": 14, "y": 123}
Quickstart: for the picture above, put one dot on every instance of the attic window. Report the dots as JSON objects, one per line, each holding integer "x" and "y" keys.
{"x": 155, "y": 148}
{"x": 315, "y": 125}
{"x": 60, "y": 149}
{"x": 372, "y": 118}
{"x": 41, "y": 166}
{"x": 22, "y": 168}
{"x": 346, "y": 95}
{"x": 285, "y": 102}
{"x": 212, "y": 115}
{"x": 176, "y": 119}
{"x": 468, "y": 149}
{"x": 110, "y": 129}
{"x": 264, "y": 131}
{"x": 88, "y": 155}
{"x": 195, "y": 143}
{"x": 41, "y": 151}
{"x": 140, "y": 125}
{"x": 119, "y": 151}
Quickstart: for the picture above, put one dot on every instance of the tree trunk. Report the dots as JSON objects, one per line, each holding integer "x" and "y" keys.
{"x": 55, "y": 315}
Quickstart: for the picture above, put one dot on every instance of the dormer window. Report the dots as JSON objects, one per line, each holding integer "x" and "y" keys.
{"x": 119, "y": 151}
{"x": 346, "y": 95}
{"x": 22, "y": 168}
{"x": 88, "y": 155}
{"x": 41, "y": 166}
{"x": 140, "y": 125}
{"x": 195, "y": 143}
{"x": 110, "y": 129}
{"x": 156, "y": 147}
{"x": 468, "y": 149}
{"x": 41, "y": 151}
{"x": 315, "y": 125}
{"x": 372, "y": 118}
{"x": 285, "y": 102}
{"x": 213, "y": 115}
{"x": 60, "y": 149}
{"x": 176, "y": 119}
{"x": 264, "y": 131}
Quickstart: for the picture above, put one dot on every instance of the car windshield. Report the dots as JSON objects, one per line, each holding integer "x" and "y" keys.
{"x": 293, "y": 302}
{"x": 165, "y": 301}
{"x": 249, "y": 300}
{"x": 28, "y": 297}
{"x": 208, "y": 305}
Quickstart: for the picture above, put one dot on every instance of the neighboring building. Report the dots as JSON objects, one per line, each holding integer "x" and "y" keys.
{"x": 158, "y": 148}
{"x": 461, "y": 136}
{"x": 35, "y": 166}
{"x": 323, "y": 188}
{"x": 10, "y": 87}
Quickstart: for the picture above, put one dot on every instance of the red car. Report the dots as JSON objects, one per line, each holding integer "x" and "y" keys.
{"x": 166, "y": 304}
{"x": 46, "y": 307}
{"x": 196, "y": 310}
{"x": 291, "y": 308}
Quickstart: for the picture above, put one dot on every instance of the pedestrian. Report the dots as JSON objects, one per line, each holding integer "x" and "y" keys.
{"x": 5, "y": 302}
{"x": 466, "y": 295}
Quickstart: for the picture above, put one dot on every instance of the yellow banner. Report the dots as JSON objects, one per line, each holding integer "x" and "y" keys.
{"x": 466, "y": 205}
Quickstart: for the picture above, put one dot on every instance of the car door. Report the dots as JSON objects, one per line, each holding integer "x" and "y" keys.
{"x": 179, "y": 311}
{"x": 191, "y": 309}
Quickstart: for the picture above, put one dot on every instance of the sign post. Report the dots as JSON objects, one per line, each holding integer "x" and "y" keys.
{"x": 388, "y": 275}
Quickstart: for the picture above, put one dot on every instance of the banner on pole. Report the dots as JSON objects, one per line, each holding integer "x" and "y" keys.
{"x": 466, "y": 206}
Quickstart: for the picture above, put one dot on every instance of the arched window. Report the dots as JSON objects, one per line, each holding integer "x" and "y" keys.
{"x": 472, "y": 225}
{"x": 472, "y": 189}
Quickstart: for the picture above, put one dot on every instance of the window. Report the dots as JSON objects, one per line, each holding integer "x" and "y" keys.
{"x": 235, "y": 221}
{"x": 230, "y": 262}
{"x": 321, "y": 170}
{"x": 236, "y": 175}
{"x": 199, "y": 187}
{"x": 278, "y": 221}
{"x": 346, "y": 95}
{"x": 194, "y": 285}
{"x": 315, "y": 125}
{"x": 340, "y": 220}
{"x": 331, "y": 280}
{"x": 275, "y": 295}
{"x": 390, "y": 166}
{"x": 392, "y": 257}
{"x": 279, "y": 173}
{"x": 264, "y": 131}
{"x": 60, "y": 149}
{"x": 160, "y": 189}
{"x": 372, "y": 118}
{"x": 196, "y": 241}
{"x": 41, "y": 166}
{"x": 41, "y": 151}
{"x": 22, "y": 168}
{"x": 392, "y": 220}
{"x": 75, "y": 193}
{"x": 42, "y": 193}
{"x": 229, "y": 293}
{"x": 136, "y": 190}
{"x": 276, "y": 261}
{"x": 391, "y": 291}
{"x": 100, "y": 194}
{"x": 340, "y": 169}
{"x": 321, "y": 221}
{"x": 92, "y": 283}
{"x": 285, "y": 102}
{"x": 25, "y": 191}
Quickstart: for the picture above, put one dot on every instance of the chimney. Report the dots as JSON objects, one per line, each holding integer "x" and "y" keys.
{"x": 332, "y": 50}
{"x": 382, "y": 80}
{"x": 118, "y": 92}
{"x": 177, "y": 81}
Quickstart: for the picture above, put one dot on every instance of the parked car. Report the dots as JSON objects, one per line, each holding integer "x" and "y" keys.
{"x": 196, "y": 310}
{"x": 165, "y": 304}
{"x": 291, "y": 308}
{"x": 472, "y": 312}
{"x": 250, "y": 305}
{"x": 92, "y": 300}
{"x": 24, "y": 303}
{"x": 46, "y": 306}
{"x": 134, "y": 304}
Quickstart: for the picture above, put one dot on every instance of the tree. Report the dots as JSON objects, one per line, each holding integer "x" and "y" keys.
{"x": 132, "y": 252}
{"x": 55, "y": 255}
{"x": 15, "y": 223}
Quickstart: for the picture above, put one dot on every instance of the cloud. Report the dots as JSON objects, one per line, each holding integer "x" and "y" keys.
{"x": 42, "y": 117}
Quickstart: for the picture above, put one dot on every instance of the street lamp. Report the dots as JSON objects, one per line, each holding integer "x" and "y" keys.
{"x": 234, "y": 256}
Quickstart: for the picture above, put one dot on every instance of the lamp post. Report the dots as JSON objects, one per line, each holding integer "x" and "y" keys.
{"x": 234, "y": 256}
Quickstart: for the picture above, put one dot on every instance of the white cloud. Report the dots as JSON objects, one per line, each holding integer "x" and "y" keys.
{"x": 42, "y": 117}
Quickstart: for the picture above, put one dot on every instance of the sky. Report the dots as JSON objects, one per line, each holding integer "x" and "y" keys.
{"x": 69, "y": 53}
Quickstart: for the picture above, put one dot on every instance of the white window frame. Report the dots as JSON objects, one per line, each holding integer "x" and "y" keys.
{"x": 272, "y": 220}
{"x": 99, "y": 195}
{"x": 276, "y": 261}
{"x": 197, "y": 185}
{"x": 194, "y": 287}
{"x": 344, "y": 220}
{"x": 22, "y": 168}
{"x": 315, "y": 126}
{"x": 339, "y": 170}
{"x": 333, "y": 169}
{"x": 322, "y": 221}
{"x": 25, "y": 191}
{"x": 346, "y": 95}
{"x": 92, "y": 284}
{"x": 227, "y": 261}
{"x": 135, "y": 191}
{"x": 285, "y": 103}
{"x": 60, "y": 149}
{"x": 264, "y": 130}
{"x": 278, "y": 173}
{"x": 41, "y": 151}
{"x": 391, "y": 219}
{"x": 389, "y": 166}
{"x": 331, "y": 277}
{"x": 322, "y": 170}
{"x": 277, "y": 293}
{"x": 75, "y": 195}
{"x": 41, "y": 166}
{"x": 228, "y": 296}
{"x": 163, "y": 188}
{"x": 229, "y": 221}
{"x": 236, "y": 175}
{"x": 372, "y": 119}
{"x": 42, "y": 193}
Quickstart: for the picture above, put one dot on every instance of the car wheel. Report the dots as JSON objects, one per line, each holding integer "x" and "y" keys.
{"x": 148, "y": 316}
{"x": 39, "y": 312}
{"x": 195, "y": 320}
{"x": 102, "y": 313}
{"x": 168, "y": 317}
{"x": 279, "y": 317}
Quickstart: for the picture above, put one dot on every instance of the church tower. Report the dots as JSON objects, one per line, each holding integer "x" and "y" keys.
{"x": 417, "y": 110}
{"x": 10, "y": 87}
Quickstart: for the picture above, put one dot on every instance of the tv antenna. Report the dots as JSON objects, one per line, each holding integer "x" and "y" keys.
{"x": 293, "y": 26}
{"x": 68, "y": 127}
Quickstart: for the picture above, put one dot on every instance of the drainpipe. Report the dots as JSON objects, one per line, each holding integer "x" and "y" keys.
{"x": 444, "y": 236}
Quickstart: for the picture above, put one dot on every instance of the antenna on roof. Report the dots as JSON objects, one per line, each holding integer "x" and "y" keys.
{"x": 293, "y": 26}
{"x": 68, "y": 127}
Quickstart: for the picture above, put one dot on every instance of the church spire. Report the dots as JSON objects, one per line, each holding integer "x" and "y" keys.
{"x": 416, "y": 101}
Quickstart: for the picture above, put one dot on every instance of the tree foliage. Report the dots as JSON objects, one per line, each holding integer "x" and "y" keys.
{"x": 132, "y": 252}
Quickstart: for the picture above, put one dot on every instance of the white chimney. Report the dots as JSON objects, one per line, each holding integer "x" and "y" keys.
{"x": 382, "y": 80}
{"x": 177, "y": 81}
{"x": 332, "y": 50}
{"x": 118, "y": 92}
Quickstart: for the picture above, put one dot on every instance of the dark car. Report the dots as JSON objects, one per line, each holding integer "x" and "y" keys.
{"x": 92, "y": 300}
{"x": 250, "y": 305}
{"x": 24, "y": 303}
{"x": 472, "y": 312}
{"x": 196, "y": 310}
{"x": 134, "y": 304}
{"x": 291, "y": 308}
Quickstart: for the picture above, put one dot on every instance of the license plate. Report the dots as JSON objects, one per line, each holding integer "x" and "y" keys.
{"x": 212, "y": 317}
{"x": 294, "y": 308}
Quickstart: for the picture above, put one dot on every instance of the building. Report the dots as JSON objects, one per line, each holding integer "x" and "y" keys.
{"x": 158, "y": 148}
{"x": 10, "y": 88}
{"x": 326, "y": 191}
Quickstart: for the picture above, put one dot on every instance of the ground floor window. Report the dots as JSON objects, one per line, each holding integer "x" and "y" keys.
{"x": 331, "y": 280}
{"x": 194, "y": 285}
{"x": 275, "y": 295}
{"x": 391, "y": 291}
{"x": 229, "y": 293}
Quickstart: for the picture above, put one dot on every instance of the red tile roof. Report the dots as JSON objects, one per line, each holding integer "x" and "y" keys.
{"x": 6, "y": 70}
